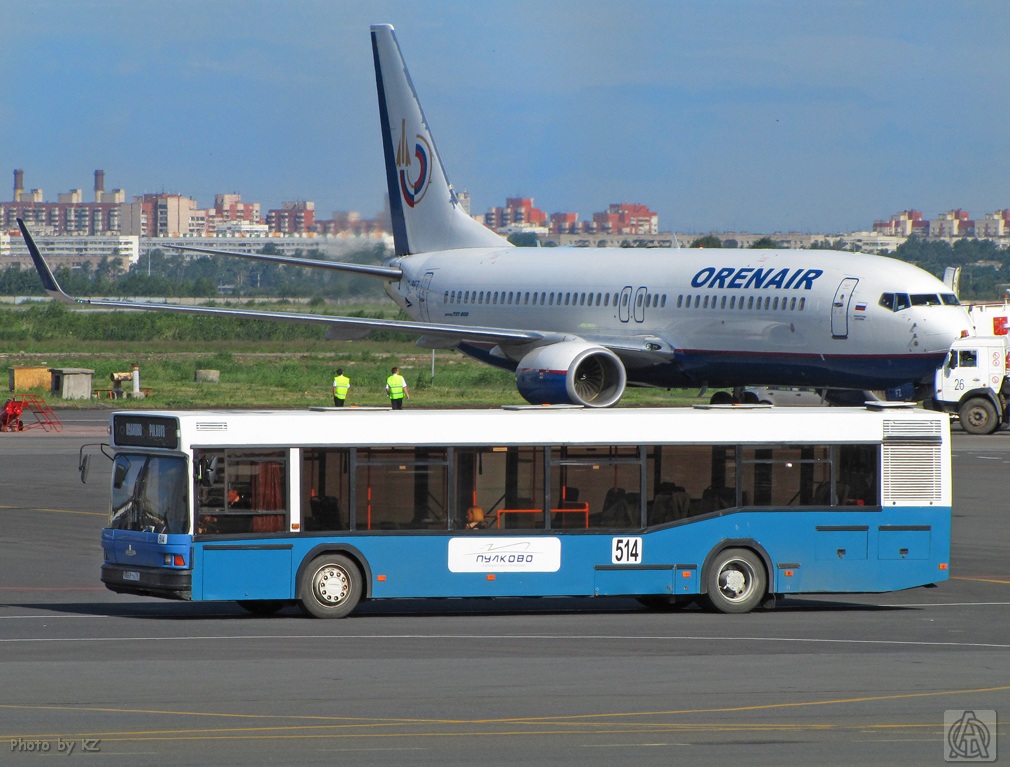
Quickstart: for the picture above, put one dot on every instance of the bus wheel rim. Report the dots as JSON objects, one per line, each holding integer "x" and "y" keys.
{"x": 736, "y": 580}
{"x": 331, "y": 585}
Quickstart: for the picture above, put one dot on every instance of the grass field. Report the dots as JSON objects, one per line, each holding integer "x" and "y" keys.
{"x": 257, "y": 368}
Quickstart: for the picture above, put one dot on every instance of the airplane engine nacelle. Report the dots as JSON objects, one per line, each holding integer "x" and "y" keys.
{"x": 571, "y": 373}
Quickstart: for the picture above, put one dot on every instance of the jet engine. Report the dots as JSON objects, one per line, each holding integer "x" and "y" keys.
{"x": 571, "y": 373}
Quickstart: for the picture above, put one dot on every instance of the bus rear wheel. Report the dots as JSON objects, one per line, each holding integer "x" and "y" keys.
{"x": 330, "y": 586}
{"x": 736, "y": 581}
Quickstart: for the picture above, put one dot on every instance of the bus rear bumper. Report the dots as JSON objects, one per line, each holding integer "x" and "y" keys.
{"x": 148, "y": 581}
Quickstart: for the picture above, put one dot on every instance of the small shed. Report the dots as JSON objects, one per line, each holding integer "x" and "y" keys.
{"x": 22, "y": 378}
{"x": 71, "y": 383}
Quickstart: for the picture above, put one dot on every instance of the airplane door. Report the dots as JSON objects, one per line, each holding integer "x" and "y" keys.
{"x": 640, "y": 296}
{"x": 624, "y": 308}
{"x": 422, "y": 296}
{"x": 840, "y": 308}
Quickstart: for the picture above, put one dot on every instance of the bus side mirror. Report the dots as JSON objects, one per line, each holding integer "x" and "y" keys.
{"x": 952, "y": 363}
{"x": 83, "y": 468}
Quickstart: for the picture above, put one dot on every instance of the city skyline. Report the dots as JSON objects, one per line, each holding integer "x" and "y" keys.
{"x": 720, "y": 116}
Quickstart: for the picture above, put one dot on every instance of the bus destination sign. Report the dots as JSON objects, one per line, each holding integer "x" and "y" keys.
{"x": 146, "y": 431}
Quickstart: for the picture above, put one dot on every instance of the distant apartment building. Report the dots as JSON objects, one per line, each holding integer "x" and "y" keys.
{"x": 70, "y": 215}
{"x": 292, "y": 218}
{"x": 903, "y": 224}
{"x": 627, "y": 218}
{"x": 623, "y": 218}
{"x": 949, "y": 225}
{"x": 993, "y": 225}
{"x": 351, "y": 224}
{"x": 518, "y": 213}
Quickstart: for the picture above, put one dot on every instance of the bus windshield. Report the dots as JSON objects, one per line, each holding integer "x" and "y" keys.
{"x": 149, "y": 494}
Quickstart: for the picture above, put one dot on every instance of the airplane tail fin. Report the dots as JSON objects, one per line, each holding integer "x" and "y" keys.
{"x": 425, "y": 210}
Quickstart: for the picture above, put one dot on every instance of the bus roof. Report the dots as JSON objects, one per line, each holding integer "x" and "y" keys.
{"x": 548, "y": 425}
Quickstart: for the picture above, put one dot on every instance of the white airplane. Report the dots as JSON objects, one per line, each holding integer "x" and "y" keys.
{"x": 578, "y": 325}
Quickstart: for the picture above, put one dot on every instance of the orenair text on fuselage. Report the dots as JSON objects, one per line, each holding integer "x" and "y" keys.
{"x": 749, "y": 277}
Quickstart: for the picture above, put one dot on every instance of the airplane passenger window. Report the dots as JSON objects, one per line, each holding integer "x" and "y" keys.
{"x": 803, "y": 302}
{"x": 792, "y": 304}
{"x": 697, "y": 301}
{"x": 750, "y": 302}
{"x": 775, "y": 303}
{"x": 722, "y": 303}
{"x": 767, "y": 301}
{"x": 445, "y": 298}
{"x": 663, "y": 303}
{"x": 704, "y": 304}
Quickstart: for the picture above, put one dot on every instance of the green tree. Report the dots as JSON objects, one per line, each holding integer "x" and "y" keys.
{"x": 708, "y": 241}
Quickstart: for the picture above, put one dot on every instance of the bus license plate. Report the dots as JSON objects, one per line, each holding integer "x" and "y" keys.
{"x": 131, "y": 575}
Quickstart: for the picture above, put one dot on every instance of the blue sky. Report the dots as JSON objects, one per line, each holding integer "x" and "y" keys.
{"x": 757, "y": 116}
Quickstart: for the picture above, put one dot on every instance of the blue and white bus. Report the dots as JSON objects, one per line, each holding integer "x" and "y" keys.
{"x": 728, "y": 506}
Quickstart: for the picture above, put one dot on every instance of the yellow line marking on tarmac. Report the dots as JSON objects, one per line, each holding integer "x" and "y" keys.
{"x": 981, "y": 580}
{"x": 599, "y": 723}
{"x": 56, "y": 511}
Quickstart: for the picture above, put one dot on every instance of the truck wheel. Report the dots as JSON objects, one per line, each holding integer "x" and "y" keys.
{"x": 978, "y": 416}
{"x": 330, "y": 586}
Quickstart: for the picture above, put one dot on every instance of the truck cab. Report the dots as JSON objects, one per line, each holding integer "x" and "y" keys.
{"x": 973, "y": 384}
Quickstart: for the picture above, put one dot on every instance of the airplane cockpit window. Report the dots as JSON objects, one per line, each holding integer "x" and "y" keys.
{"x": 925, "y": 299}
{"x": 949, "y": 299}
{"x": 898, "y": 301}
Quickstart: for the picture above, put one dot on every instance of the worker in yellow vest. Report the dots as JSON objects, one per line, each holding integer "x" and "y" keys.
{"x": 396, "y": 388}
{"x": 341, "y": 384}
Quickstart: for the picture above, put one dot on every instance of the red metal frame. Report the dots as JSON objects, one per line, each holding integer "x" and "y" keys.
{"x": 12, "y": 416}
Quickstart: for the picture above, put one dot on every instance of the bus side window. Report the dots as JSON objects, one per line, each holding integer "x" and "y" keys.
{"x": 244, "y": 492}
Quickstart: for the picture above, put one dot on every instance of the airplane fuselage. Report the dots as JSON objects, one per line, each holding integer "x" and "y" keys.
{"x": 719, "y": 317}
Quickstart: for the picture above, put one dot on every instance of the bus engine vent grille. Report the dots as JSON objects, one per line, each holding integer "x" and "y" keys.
{"x": 913, "y": 473}
{"x": 912, "y": 428}
{"x": 211, "y": 426}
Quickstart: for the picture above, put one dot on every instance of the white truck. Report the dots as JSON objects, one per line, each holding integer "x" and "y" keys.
{"x": 973, "y": 383}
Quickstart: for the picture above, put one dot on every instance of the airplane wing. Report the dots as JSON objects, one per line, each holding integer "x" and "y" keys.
{"x": 342, "y": 327}
{"x": 390, "y": 273}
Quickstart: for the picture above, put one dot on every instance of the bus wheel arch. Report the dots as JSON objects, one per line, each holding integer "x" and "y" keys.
{"x": 736, "y": 577}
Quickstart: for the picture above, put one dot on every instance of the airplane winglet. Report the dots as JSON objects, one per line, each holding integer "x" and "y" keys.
{"x": 52, "y": 287}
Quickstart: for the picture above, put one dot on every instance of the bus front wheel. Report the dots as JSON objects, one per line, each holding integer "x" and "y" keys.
{"x": 330, "y": 586}
{"x": 736, "y": 581}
